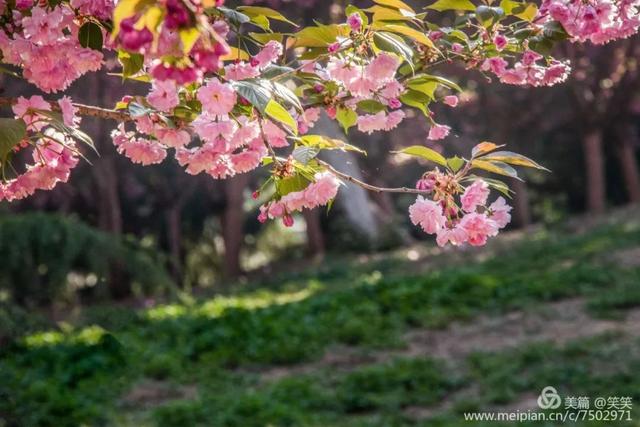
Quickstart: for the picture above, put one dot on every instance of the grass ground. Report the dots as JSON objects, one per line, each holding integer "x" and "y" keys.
{"x": 412, "y": 338}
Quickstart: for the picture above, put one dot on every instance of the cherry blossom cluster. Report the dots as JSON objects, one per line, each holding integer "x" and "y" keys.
{"x": 225, "y": 110}
{"x": 318, "y": 193}
{"x": 228, "y": 144}
{"x": 598, "y": 21}
{"x": 53, "y": 153}
{"x": 528, "y": 71}
{"x": 471, "y": 222}
{"x": 43, "y": 41}
{"x": 170, "y": 56}
{"x": 368, "y": 80}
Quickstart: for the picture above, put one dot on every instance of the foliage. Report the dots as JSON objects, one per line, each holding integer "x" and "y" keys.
{"x": 78, "y": 374}
{"x": 49, "y": 258}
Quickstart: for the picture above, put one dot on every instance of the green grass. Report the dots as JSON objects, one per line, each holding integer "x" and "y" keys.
{"x": 73, "y": 375}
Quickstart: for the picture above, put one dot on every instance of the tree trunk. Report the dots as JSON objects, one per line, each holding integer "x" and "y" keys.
{"x": 232, "y": 224}
{"x": 315, "y": 238}
{"x": 521, "y": 208}
{"x": 174, "y": 235}
{"x": 595, "y": 171}
{"x": 106, "y": 178}
{"x": 625, "y": 150}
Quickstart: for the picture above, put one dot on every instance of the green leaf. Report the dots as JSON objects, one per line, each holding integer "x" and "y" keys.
{"x": 514, "y": 159}
{"x": 12, "y": 131}
{"x": 396, "y": 4}
{"x": 320, "y": 36}
{"x": 235, "y": 17}
{"x": 442, "y": 5}
{"x": 90, "y": 36}
{"x": 425, "y": 153}
{"x": 427, "y": 87}
{"x": 489, "y": 15}
{"x": 412, "y": 33}
{"x": 347, "y": 118}
{"x": 262, "y": 22}
{"x": 497, "y": 167}
{"x": 371, "y": 106}
{"x": 57, "y": 123}
{"x": 305, "y": 154}
{"x": 131, "y": 63}
{"x": 455, "y": 163}
{"x": 279, "y": 113}
{"x": 394, "y": 44}
{"x": 138, "y": 110}
{"x": 274, "y": 70}
{"x": 381, "y": 13}
{"x": 416, "y": 99}
{"x": 258, "y": 95}
{"x": 441, "y": 80}
{"x": 253, "y": 11}
{"x": 264, "y": 38}
{"x": 189, "y": 37}
{"x": 291, "y": 184}
{"x": 325, "y": 143}
{"x": 285, "y": 94}
{"x": 523, "y": 10}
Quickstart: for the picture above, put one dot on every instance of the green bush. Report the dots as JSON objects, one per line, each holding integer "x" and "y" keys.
{"x": 47, "y": 257}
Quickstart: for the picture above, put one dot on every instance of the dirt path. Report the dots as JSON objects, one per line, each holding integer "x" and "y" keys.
{"x": 557, "y": 322}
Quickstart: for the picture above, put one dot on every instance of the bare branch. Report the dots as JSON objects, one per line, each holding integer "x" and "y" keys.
{"x": 83, "y": 110}
{"x": 369, "y": 187}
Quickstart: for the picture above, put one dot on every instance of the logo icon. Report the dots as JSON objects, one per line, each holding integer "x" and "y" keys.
{"x": 549, "y": 398}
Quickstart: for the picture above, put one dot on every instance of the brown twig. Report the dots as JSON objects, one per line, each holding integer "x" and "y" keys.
{"x": 366, "y": 186}
{"x": 83, "y": 110}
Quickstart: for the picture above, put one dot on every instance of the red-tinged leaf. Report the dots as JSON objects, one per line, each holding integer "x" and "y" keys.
{"x": 496, "y": 167}
{"x": 483, "y": 148}
{"x": 514, "y": 159}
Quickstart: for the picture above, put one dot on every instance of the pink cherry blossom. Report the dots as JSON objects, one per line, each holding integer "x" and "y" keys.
{"x": 382, "y": 69}
{"x": 394, "y": 119}
{"x": 174, "y": 138}
{"x": 478, "y": 228}
{"x": 69, "y": 112}
{"x": 143, "y": 151}
{"x": 269, "y": 54}
{"x": 427, "y": 214}
{"x": 246, "y": 161}
{"x": 24, "y": 109}
{"x": 102, "y": 9}
{"x": 53, "y": 162}
{"x": 438, "y": 132}
{"x": 451, "y": 100}
{"x": 272, "y": 133}
{"x": 241, "y": 71}
{"x": 355, "y": 21}
{"x": 456, "y": 236}
{"x": 164, "y": 95}
{"x": 217, "y": 98}
{"x": 475, "y": 195}
{"x": 497, "y": 65}
{"x": 500, "y": 212}
{"x": 500, "y": 42}
{"x": 370, "y": 123}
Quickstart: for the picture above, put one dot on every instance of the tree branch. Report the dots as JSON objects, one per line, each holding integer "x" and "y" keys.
{"x": 369, "y": 187}
{"x": 83, "y": 110}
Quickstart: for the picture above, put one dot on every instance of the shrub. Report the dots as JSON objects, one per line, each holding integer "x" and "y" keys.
{"x": 46, "y": 257}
